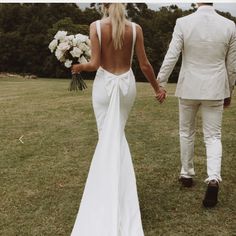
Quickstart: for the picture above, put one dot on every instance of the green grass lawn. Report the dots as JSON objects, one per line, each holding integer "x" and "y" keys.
{"x": 42, "y": 179}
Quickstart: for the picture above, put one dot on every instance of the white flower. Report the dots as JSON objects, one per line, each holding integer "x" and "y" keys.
{"x": 82, "y": 60}
{"x": 71, "y": 37}
{"x": 64, "y": 46}
{"x": 52, "y": 46}
{"x": 64, "y": 40}
{"x": 81, "y": 37}
{"x": 78, "y": 43}
{"x": 68, "y": 63}
{"x": 59, "y": 54}
{"x": 88, "y": 42}
{"x": 83, "y": 47}
{"x": 88, "y": 53}
{"x": 76, "y": 52}
{"x": 60, "y": 35}
{"x": 74, "y": 42}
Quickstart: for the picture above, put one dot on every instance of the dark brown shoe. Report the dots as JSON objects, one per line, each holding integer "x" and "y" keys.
{"x": 186, "y": 182}
{"x": 211, "y": 195}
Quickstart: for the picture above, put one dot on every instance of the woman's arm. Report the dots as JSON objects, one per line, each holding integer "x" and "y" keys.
{"x": 145, "y": 65}
{"x": 94, "y": 62}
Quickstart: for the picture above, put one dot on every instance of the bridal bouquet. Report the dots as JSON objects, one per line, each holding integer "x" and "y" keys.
{"x": 72, "y": 49}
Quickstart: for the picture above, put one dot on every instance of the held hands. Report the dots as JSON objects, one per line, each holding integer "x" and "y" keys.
{"x": 161, "y": 95}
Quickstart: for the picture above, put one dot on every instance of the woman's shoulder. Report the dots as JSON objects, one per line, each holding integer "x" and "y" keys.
{"x": 138, "y": 28}
{"x": 136, "y": 24}
{"x": 93, "y": 24}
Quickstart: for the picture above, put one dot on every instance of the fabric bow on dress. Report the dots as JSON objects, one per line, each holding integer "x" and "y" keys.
{"x": 122, "y": 81}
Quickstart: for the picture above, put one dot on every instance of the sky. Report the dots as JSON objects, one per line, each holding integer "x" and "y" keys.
{"x": 226, "y": 7}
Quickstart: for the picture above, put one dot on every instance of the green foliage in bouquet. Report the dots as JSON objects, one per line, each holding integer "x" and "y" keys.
{"x": 77, "y": 83}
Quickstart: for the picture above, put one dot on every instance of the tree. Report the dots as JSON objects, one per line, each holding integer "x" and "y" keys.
{"x": 27, "y": 29}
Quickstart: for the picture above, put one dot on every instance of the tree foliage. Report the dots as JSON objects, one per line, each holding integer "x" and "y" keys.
{"x": 27, "y": 29}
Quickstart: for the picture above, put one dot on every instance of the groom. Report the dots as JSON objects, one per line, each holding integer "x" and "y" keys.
{"x": 206, "y": 81}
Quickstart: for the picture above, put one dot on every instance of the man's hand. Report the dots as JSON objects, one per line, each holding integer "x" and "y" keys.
{"x": 161, "y": 95}
{"x": 227, "y": 102}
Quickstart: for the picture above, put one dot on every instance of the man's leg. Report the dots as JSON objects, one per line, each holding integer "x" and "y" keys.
{"x": 187, "y": 113}
{"x": 212, "y": 120}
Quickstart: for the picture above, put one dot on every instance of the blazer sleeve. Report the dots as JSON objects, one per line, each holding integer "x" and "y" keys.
{"x": 172, "y": 55}
{"x": 231, "y": 60}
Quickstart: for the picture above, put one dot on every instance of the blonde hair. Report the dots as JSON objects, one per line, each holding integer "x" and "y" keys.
{"x": 116, "y": 12}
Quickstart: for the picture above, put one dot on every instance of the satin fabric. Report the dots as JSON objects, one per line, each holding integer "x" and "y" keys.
{"x": 109, "y": 206}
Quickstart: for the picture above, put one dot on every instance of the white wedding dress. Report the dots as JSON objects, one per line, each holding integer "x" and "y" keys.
{"x": 109, "y": 206}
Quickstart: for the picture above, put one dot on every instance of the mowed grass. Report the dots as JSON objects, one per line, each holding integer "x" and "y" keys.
{"x": 42, "y": 179}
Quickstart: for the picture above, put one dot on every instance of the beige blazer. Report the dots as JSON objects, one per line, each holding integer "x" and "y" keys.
{"x": 208, "y": 45}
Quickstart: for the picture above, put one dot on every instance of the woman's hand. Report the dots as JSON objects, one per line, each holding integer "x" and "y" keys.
{"x": 75, "y": 69}
{"x": 161, "y": 95}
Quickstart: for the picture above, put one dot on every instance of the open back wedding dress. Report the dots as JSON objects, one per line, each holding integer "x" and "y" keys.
{"x": 109, "y": 206}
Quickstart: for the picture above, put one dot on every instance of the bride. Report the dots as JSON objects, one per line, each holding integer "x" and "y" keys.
{"x": 109, "y": 206}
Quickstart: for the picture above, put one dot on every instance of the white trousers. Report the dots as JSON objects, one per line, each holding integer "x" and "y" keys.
{"x": 211, "y": 111}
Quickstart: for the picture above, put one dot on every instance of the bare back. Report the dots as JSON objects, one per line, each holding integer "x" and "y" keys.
{"x": 112, "y": 60}
{"x": 118, "y": 61}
